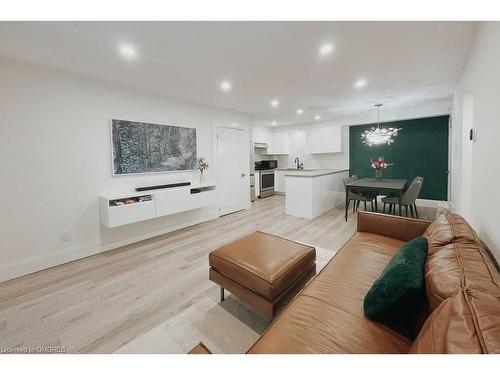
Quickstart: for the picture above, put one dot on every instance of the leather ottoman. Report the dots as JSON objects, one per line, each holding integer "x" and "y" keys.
{"x": 264, "y": 270}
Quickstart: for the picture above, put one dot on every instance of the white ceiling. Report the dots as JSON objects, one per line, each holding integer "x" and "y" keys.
{"x": 405, "y": 63}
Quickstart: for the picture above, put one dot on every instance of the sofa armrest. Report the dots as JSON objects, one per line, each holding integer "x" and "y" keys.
{"x": 402, "y": 228}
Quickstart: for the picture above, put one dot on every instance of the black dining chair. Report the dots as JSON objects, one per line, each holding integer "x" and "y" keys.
{"x": 357, "y": 196}
{"x": 408, "y": 198}
{"x": 368, "y": 193}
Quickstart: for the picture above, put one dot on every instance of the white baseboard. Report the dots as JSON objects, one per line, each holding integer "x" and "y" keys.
{"x": 55, "y": 258}
{"x": 424, "y": 202}
{"x": 427, "y": 202}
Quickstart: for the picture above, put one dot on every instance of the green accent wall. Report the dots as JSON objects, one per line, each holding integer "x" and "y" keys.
{"x": 420, "y": 149}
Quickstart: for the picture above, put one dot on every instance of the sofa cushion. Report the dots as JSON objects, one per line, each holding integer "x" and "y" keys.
{"x": 459, "y": 265}
{"x": 456, "y": 260}
{"x": 309, "y": 325}
{"x": 398, "y": 295}
{"x": 345, "y": 281}
{"x": 391, "y": 226}
{"x": 264, "y": 263}
{"x": 448, "y": 228}
{"x": 468, "y": 322}
{"x": 327, "y": 316}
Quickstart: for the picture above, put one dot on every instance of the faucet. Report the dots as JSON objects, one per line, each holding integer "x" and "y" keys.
{"x": 298, "y": 163}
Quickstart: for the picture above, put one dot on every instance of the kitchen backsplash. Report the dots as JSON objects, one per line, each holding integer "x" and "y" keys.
{"x": 315, "y": 161}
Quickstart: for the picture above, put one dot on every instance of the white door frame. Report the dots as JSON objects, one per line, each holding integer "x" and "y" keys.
{"x": 450, "y": 157}
{"x": 467, "y": 146}
{"x": 215, "y": 156}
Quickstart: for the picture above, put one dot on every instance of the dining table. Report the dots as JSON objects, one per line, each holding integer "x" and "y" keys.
{"x": 381, "y": 186}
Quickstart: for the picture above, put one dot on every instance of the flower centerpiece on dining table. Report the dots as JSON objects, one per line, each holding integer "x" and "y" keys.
{"x": 379, "y": 165}
{"x": 201, "y": 166}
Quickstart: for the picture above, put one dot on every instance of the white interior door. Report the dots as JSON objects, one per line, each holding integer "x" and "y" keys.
{"x": 233, "y": 182}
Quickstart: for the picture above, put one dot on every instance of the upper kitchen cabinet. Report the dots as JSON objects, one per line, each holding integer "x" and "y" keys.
{"x": 297, "y": 140}
{"x": 280, "y": 144}
{"x": 263, "y": 135}
{"x": 324, "y": 140}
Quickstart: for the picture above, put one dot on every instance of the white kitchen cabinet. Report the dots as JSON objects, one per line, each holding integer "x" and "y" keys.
{"x": 279, "y": 181}
{"x": 280, "y": 144}
{"x": 261, "y": 134}
{"x": 297, "y": 141}
{"x": 322, "y": 140}
{"x": 311, "y": 195}
{"x": 332, "y": 139}
{"x": 314, "y": 140}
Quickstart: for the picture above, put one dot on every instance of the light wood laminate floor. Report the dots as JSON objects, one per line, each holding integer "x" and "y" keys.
{"x": 154, "y": 296}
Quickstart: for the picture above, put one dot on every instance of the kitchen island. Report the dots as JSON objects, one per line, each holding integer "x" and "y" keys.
{"x": 310, "y": 193}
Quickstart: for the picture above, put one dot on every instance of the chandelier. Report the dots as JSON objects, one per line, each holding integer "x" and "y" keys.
{"x": 377, "y": 136}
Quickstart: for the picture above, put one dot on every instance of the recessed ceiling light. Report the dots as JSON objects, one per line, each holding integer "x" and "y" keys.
{"x": 317, "y": 117}
{"x": 275, "y": 103}
{"x": 300, "y": 111}
{"x": 325, "y": 49}
{"x": 274, "y": 123}
{"x": 127, "y": 51}
{"x": 360, "y": 83}
{"x": 225, "y": 86}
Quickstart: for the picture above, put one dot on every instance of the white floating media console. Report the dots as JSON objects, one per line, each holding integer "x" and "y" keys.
{"x": 149, "y": 204}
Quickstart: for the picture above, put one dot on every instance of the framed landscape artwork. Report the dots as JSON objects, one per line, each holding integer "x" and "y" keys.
{"x": 140, "y": 147}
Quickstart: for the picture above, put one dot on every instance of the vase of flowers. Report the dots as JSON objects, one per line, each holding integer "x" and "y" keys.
{"x": 201, "y": 166}
{"x": 379, "y": 165}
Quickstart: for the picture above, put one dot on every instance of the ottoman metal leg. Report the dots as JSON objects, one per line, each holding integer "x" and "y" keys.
{"x": 221, "y": 294}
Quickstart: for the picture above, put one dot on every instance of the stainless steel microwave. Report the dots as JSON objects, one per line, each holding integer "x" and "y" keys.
{"x": 265, "y": 165}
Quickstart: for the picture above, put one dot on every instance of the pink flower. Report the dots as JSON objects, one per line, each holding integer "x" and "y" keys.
{"x": 380, "y": 163}
{"x": 202, "y": 164}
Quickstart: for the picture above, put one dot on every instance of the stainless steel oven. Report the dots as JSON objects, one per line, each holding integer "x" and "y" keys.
{"x": 266, "y": 183}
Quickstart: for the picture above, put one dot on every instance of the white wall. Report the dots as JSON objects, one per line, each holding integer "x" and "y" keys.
{"x": 480, "y": 83}
{"x": 56, "y": 160}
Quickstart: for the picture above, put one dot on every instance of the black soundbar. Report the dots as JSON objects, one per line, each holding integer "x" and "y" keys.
{"x": 144, "y": 188}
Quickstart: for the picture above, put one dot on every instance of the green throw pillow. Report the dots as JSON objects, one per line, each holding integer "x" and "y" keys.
{"x": 397, "y": 297}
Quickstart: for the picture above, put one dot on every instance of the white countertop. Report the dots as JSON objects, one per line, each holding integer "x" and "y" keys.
{"x": 311, "y": 172}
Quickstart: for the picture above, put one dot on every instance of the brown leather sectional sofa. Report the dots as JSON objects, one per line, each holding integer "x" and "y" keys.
{"x": 462, "y": 284}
